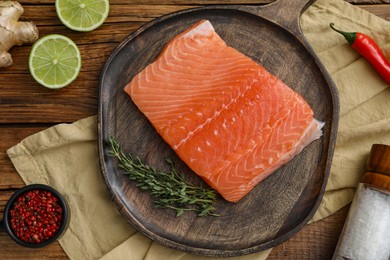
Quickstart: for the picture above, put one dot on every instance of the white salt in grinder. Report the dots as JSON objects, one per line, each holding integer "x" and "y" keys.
{"x": 366, "y": 232}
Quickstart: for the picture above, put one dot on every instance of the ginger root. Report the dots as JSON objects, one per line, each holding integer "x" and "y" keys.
{"x": 13, "y": 32}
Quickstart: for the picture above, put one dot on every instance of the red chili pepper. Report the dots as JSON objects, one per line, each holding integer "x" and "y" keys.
{"x": 368, "y": 49}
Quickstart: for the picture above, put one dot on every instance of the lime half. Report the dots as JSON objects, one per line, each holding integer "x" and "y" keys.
{"x": 54, "y": 61}
{"x": 82, "y": 15}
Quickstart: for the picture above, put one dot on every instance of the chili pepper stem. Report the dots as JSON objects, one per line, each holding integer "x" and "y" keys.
{"x": 368, "y": 48}
{"x": 349, "y": 36}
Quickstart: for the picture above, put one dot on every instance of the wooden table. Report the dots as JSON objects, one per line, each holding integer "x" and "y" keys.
{"x": 27, "y": 108}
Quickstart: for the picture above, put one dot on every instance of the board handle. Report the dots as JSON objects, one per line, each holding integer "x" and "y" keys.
{"x": 285, "y": 13}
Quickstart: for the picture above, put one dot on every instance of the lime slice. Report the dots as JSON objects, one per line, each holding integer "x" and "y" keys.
{"x": 82, "y": 15}
{"x": 54, "y": 61}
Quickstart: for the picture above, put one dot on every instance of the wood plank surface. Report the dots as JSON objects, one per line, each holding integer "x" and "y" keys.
{"x": 27, "y": 108}
{"x": 79, "y": 99}
{"x": 301, "y": 180}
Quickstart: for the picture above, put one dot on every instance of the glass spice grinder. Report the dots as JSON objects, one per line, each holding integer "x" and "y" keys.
{"x": 366, "y": 232}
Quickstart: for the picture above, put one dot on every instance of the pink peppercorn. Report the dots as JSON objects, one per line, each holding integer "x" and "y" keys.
{"x": 36, "y": 216}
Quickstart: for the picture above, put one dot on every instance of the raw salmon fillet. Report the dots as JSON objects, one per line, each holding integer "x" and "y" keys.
{"x": 228, "y": 118}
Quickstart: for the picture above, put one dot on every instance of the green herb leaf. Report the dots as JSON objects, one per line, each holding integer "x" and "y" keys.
{"x": 170, "y": 189}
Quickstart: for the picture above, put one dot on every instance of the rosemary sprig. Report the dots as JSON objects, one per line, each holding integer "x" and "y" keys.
{"x": 170, "y": 189}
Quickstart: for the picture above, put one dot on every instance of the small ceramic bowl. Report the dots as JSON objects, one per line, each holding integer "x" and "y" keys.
{"x": 5, "y": 224}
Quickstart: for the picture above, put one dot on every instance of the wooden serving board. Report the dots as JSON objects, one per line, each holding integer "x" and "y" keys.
{"x": 279, "y": 206}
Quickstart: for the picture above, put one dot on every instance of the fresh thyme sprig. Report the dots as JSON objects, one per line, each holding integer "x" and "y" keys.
{"x": 170, "y": 189}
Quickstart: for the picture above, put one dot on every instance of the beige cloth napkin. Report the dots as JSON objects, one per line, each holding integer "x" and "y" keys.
{"x": 65, "y": 156}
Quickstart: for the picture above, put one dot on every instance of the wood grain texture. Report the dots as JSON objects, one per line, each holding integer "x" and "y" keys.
{"x": 379, "y": 159}
{"x": 286, "y": 200}
{"x": 12, "y": 251}
{"x": 199, "y": 2}
{"x": 24, "y": 106}
{"x": 80, "y": 98}
{"x": 11, "y": 135}
{"x": 315, "y": 241}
